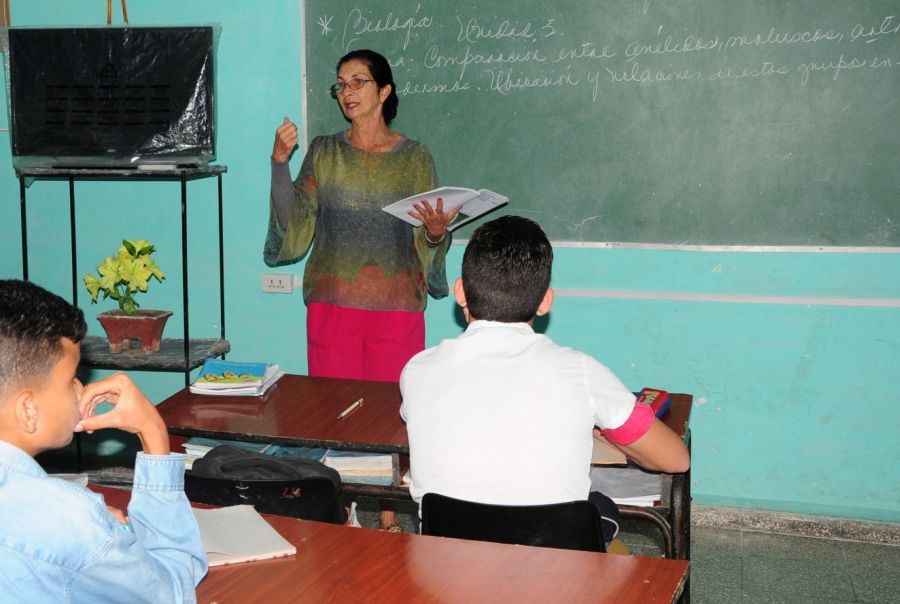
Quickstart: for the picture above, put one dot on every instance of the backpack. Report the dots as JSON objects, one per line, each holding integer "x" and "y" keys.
{"x": 232, "y": 463}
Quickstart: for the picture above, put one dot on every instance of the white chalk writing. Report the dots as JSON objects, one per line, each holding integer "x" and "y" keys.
{"x": 474, "y": 51}
{"x": 358, "y": 25}
{"x": 434, "y": 59}
{"x": 889, "y": 25}
{"x": 471, "y": 31}
{"x": 840, "y": 65}
{"x": 504, "y": 81}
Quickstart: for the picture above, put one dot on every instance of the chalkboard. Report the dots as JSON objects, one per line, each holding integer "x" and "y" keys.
{"x": 708, "y": 122}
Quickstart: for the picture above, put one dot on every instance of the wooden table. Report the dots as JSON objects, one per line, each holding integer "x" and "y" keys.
{"x": 343, "y": 564}
{"x": 303, "y": 411}
{"x": 298, "y": 410}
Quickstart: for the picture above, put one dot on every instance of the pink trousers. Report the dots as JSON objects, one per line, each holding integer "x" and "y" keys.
{"x": 361, "y": 344}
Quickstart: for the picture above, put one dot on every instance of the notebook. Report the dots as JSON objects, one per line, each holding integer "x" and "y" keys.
{"x": 239, "y": 534}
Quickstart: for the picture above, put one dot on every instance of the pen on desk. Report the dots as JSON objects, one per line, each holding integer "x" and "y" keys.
{"x": 350, "y": 409}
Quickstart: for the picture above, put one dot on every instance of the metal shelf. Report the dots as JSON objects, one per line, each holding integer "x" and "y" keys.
{"x": 170, "y": 356}
{"x": 180, "y": 355}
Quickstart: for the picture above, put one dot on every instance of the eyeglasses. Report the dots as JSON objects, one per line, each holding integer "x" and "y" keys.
{"x": 354, "y": 84}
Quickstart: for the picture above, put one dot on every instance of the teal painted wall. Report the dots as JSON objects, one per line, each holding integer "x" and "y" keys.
{"x": 792, "y": 357}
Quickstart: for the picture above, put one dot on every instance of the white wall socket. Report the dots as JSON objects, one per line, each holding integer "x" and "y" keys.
{"x": 278, "y": 283}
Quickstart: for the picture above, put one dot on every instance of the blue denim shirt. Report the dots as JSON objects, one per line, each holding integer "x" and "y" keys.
{"x": 58, "y": 542}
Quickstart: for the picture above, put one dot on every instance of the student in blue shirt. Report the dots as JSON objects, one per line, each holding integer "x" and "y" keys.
{"x": 58, "y": 540}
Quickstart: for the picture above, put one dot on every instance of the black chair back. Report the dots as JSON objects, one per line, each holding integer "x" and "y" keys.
{"x": 569, "y": 525}
{"x": 307, "y": 498}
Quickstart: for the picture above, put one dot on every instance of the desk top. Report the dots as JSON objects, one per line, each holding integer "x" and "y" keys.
{"x": 340, "y": 563}
{"x": 303, "y": 410}
{"x": 298, "y": 410}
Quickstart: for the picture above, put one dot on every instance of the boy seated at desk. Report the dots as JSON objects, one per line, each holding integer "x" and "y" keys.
{"x": 58, "y": 541}
{"x": 503, "y": 415}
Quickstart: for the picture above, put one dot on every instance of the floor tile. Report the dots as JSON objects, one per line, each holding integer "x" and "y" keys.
{"x": 791, "y": 547}
{"x": 776, "y": 576}
{"x": 874, "y": 571}
{"x": 789, "y": 599}
{"x": 714, "y": 595}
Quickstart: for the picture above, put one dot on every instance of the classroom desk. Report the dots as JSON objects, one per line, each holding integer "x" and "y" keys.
{"x": 302, "y": 410}
{"x": 336, "y": 563}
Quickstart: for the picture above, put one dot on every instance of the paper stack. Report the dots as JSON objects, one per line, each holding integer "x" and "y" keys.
{"x": 230, "y": 378}
{"x": 361, "y": 468}
{"x": 239, "y": 534}
{"x": 196, "y": 447}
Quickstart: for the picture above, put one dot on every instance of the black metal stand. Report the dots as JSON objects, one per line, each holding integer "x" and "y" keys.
{"x": 190, "y": 353}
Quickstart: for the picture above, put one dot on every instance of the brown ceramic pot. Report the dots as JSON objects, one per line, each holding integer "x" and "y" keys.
{"x": 145, "y": 326}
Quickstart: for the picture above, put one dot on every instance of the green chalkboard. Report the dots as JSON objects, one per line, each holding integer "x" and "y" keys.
{"x": 708, "y": 122}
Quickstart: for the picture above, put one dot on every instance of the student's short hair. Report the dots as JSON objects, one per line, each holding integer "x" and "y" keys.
{"x": 506, "y": 270}
{"x": 32, "y": 323}
{"x": 381, "y": 73}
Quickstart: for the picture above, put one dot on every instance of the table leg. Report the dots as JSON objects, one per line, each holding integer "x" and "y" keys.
{"x": 681, "y": 523}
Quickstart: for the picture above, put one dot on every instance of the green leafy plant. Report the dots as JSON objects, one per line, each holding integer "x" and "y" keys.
{"x": 124, "y": 275}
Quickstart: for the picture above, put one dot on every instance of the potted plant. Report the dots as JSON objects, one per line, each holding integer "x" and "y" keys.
{"x": 122, "y": 277}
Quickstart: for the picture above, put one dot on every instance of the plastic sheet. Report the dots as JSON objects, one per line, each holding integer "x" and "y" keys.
{"x": 111, "y": 96}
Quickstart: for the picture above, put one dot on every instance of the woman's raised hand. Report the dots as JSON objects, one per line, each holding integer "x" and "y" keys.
{"x": 285, "y": 141}
{"x": 434, "y": 219}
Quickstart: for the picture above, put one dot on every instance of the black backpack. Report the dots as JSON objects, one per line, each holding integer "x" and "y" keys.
{"x": 232, "y": 463}
{"x": 286, "y": 486}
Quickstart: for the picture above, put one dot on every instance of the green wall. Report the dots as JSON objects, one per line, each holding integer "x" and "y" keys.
{"x": 792, "y": 356}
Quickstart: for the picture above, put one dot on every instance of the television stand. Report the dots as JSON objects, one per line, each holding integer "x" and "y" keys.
{"x": 182, "y": 354}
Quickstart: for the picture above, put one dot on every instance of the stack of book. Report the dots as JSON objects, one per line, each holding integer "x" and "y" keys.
{"x": 361, "y": 468}
{"x": 196, "y": 447}
{"x": 230, "y": 378}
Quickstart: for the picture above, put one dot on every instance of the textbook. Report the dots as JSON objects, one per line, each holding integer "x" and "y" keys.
{"x": 604, "y": 454}
{"x": 230, "y": 378}
{"x": 197, "y": 446}
{"x": 472, "y": 204}
{"x": 239, "y": 534}
{"x": 657, "y": 399}
{"x": 219, "y": 373}
{"x": 361, "y": 467}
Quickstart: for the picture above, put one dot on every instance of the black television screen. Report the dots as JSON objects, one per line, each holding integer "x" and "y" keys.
{"x": 111, "y": 96}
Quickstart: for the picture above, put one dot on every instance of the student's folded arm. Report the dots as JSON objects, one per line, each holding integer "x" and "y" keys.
{"x": 659, "y": 449}
{"x": 161, "y": 559}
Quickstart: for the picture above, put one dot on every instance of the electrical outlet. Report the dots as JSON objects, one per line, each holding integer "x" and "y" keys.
{"x": 278, "y": 283}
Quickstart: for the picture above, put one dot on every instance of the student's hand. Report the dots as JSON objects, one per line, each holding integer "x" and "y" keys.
{"x": 117, "y": 514}
{"x": 286, "y": 140}
{"x": 434, "y": 219}
{"x": 133, "y": 412}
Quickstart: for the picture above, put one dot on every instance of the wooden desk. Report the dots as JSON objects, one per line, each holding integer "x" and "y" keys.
{"x": 298, "y": 410}
{"x": 344, "y": 564}
{"x": 303, "y": 411}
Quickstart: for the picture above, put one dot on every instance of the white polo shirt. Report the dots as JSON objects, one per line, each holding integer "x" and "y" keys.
{"x": 503, "y": 415}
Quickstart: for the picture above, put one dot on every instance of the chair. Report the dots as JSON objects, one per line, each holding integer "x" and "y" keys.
{"x": 569, "y": 525}
{"x": 308, "y": 498}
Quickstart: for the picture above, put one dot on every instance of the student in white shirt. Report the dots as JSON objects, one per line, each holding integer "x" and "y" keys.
{"x": 502, "y": 414}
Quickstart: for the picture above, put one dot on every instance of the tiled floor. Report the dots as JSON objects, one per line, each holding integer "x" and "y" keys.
{"x": 745, "y": 567}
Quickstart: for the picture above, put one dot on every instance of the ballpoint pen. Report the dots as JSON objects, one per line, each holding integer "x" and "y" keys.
{"x": 350, "y": 409}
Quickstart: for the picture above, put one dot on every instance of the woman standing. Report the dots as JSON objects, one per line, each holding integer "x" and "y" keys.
{"x": 367, "y": 278}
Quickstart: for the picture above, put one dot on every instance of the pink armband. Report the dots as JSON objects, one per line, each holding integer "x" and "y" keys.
{"x": 635, "y": 426}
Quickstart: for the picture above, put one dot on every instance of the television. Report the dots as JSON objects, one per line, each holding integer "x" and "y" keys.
{"x": 111, "y": 97}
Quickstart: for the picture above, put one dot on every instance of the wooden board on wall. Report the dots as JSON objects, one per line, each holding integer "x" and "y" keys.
{"x": 721, "y": 122}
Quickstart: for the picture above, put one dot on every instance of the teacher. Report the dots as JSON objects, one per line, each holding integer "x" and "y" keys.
{"x": 367, "y": 278}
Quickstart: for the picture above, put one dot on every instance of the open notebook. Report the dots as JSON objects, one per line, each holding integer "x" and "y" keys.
{"x": 239, "y": 534}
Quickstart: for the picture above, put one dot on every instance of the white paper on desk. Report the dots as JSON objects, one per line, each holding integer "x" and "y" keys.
{"x": 239, "y": 534}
